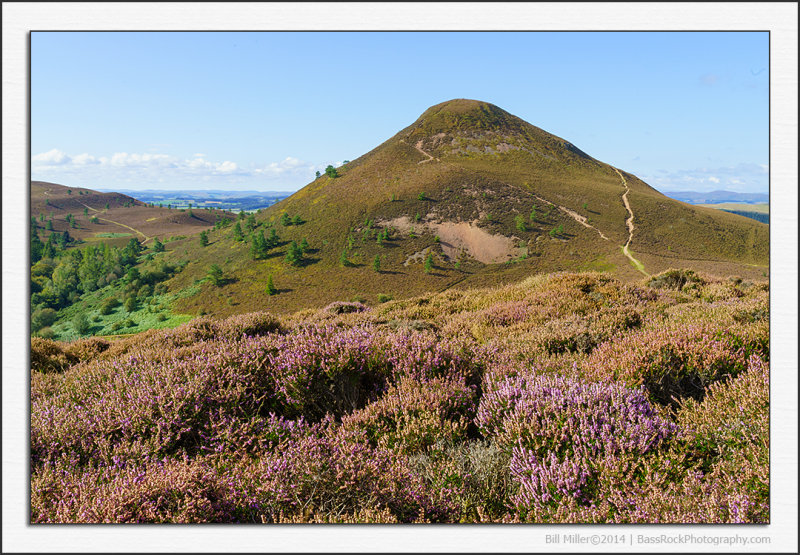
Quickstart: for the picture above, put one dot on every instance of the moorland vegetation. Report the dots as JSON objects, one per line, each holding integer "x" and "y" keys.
{"x": 568, "y": 397}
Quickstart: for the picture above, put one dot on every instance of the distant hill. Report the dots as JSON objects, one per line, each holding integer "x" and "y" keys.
{"x": 221, "y": 199}
{"x": 717, "y": 197}
{"x": 112, "y": 218}
{"x": 485, "y": 198}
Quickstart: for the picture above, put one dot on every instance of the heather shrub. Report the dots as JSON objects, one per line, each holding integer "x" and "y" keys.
{"x": 475, "y": 472}
{"x": 179, "y": 491}
{"x": 86, "y": 349}
{"x": 673, "y": 363}
{"x": 48, "y": 356}
{"x": 565, "y": 416}
{"x": 322, "y": 369}
{"x": 562, "y": 433}
{"x": 412, "y": 416}
{"x": 333, "y": 472}
{"x": 254, "y": 323}
{"x": 674, "y": 279}
{"x": 564, "y": 398}
{"x": 729, "y": 433}
{"x": 342, "y": 307}
{"x": 166, "y": 403}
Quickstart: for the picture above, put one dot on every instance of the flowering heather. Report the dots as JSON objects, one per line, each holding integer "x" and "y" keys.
{"x": 563, "y": 398}
{"x": 552, "y": 414}
{"x": 674, "y": 363}
{"x": 413, "y": 415}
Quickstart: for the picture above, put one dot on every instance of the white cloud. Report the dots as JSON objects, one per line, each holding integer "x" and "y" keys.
{"x": 141, "y": 160}
{"x": 84, "y": 160}
{"x": 744, "y": 178}
{"x": 51, "y": 158}
{"x": 154, "y": 168}
{"x": 227, "y": 167}
{"x": 287, "y": 165}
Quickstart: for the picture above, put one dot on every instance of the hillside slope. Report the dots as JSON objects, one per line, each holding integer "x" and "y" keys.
{"x": 491, "y": 198}
{"x": 113, "y": 218}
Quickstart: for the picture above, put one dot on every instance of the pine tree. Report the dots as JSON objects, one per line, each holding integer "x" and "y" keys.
{"x": 429, "y": 263}
{"x": 294, "y": 255}
{"x": 258, "y": 245}
{"x": 273, "y": 239}
{"x": 343, "y": 259}
{"x": 237, "y": 232}
{"x": 204, "y": 238}
{"x": 376, "y": 263}
{"x": 271, "y": 290}
{"x": 215, "y": 275}
{"x": 36, "y": 247}
{"x": 285, "y": 220}
{"x": 158, "y": 246}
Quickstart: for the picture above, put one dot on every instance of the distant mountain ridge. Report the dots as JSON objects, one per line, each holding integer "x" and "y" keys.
{"x": 716, "y": 197}
{"x": 199, "y": 192}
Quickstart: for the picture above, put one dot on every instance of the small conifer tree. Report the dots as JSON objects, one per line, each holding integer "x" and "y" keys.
{"x": 376, "y": 263}
{"x": 294, "y": 255}
{"x": 237, "y": 232}
{"x": 271, "y": 290}
{"x": 428, "y": 263}
{"x": 343, "y": 259}
{"x": 519, "y": 220}
{"x": 215, "y": 275}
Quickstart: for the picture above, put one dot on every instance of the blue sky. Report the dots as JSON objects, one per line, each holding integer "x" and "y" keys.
{"x": 264, "y": 111}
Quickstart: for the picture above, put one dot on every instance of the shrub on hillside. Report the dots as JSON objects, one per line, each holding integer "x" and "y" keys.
{"x": 48, "y": 356}
{"x": 674, "y": 279}
{"x": 86, "y": 349}
{"x": 564, "y": 434}
{"x": 412, "y": 416}
{"x": 675, "y": 363}
{"x": 342, "y": 307}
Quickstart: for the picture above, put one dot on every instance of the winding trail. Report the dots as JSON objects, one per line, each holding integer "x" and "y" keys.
{"x": 418, "y": 146}
{"x": 146, "y": 238}
{"x": 629, "y": 223}
{"x": 572, "y": 214}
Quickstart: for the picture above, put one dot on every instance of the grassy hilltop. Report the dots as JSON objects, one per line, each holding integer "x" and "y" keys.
{"x": 490, "y": 198}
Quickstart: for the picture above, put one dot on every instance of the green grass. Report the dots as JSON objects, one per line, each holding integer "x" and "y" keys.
{"x": 109, "y": 235}
{"x": 599, "y": 264}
